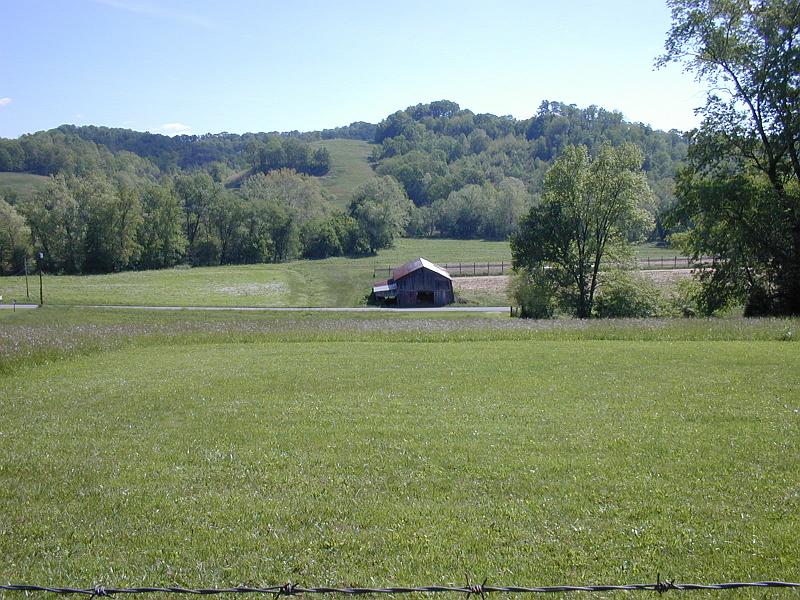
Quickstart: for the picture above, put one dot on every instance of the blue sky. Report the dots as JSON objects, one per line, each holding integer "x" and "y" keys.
{"x": 175, "y": 66}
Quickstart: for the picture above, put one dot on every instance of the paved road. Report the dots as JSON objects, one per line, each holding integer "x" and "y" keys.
{"x": 12, "y": 306}
{"x": 470, "y": 309}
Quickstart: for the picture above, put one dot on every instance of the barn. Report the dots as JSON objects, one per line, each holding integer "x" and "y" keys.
{"x": 417, "y": 283}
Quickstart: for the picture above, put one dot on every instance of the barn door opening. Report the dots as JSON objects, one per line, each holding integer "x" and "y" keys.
{"x": 424, "y": 297}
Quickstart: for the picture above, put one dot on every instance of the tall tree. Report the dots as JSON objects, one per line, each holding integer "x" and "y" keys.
{"x": 511, "y": 201}
{"x": 588, "y": 206}
{"x": 286, "y": 200}
{"x": 58, "y": 226}
{"x": 14, "y": 239}
{"x": 196, "y": 192}
{"x": 161, "y": 235}
{"x": 113, "y": 214}
{"x": 382, "y": 209}
{"x": 740, "y": 194}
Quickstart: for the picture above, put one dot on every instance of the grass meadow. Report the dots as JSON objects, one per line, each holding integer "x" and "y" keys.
{"x": 330, "y": 282}
{"x": 318, "y": 283}
{"x": 203, "y": 450}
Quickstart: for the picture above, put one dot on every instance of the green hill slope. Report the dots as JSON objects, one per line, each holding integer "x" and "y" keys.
{"x": 349, "y": 167}
{"x": 20, "y": 185}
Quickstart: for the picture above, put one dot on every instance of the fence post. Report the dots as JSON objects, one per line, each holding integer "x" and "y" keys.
{"x": 676, "y": 263}
{"x": 474, "y": 266}
{"x": 502, "y": 267}
{"x": 459, "y": 268}
{"x": 488, "y": 272}
{"x": 648, "y": 262}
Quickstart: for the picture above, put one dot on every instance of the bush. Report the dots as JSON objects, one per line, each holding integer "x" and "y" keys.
{"x": 533, "y": 293}
{"x": 628, "y": 294}
{"x": 687, "y": 300}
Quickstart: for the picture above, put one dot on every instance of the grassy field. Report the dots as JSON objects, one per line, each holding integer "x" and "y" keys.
{"x": 209, "y": 450}
{"x": 331, "y": 282}
{"x": 24, "y": 185}
{"x": 644, "y": 251}
{"x": 349, "y": 168}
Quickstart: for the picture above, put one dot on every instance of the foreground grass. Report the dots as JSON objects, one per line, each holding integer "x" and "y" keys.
{"x": 188, "y": 456}
{"x": 331, "y": 282}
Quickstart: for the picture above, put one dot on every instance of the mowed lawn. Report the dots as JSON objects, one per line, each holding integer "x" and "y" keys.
{"x": 368, "y": 459}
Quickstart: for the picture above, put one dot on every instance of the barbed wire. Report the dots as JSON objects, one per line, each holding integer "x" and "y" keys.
{"x": 291, "y": 589}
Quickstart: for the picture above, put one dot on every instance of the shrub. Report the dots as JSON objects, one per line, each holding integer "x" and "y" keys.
{"x": 628, "y": 294}
{"x": 533, "y": 293}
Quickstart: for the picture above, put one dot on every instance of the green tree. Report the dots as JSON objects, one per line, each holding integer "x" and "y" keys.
{"x": 382, "y": 209}
{"x": 510, "y": 202}
{"x": 463, "y": 213}
{"x": 58, "y": 226}
{"x": 589, "y": 206}
{"x": 257, "y": 244}
{"x": 14, "y": 239}
{"x": 161, "y": 235}
{"x": 740, "y": 193}
{"x": 113, "y": 214}
{"x": 286, "y": 200}
{"x": 227, "y": 220}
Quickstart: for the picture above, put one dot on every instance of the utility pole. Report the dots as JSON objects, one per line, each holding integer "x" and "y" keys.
{"x": 27, "y": 289}
{"x": 40, "y": 257}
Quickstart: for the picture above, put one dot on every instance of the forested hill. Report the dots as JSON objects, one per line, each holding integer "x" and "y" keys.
{"x": 436, "y": 149}
{"x": 439, "y": 142}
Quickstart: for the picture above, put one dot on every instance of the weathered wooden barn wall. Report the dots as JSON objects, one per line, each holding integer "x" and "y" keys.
{"x": 424, "y": 287}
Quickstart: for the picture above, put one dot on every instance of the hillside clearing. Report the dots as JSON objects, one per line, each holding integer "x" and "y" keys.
{"x": 21, "y": 185}
{"x": 349, "y": 168}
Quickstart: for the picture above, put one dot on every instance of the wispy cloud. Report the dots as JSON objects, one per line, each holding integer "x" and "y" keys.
{"x": 160, "y": 12}
{"x": 5, "y": 101}
{"x": 174, "y": 129}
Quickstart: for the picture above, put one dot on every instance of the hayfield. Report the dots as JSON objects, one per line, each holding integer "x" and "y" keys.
{"x": 198, "y": 449}
{"x": 330, "y": 282}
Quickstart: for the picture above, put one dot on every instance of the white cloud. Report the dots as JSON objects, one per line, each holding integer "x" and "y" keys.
{"x": 5, "y": 101}
{"x": 175, "y": 129}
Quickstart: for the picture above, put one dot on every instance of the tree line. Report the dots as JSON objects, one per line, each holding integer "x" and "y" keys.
{"x": 76, "y": 150}
{"x": 99, "y": 224}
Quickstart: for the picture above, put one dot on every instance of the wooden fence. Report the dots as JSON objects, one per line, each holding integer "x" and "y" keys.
{"x": 475, "y": 269}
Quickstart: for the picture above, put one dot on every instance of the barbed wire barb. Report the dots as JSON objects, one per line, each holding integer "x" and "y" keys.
{"x": 482, "y": 589}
